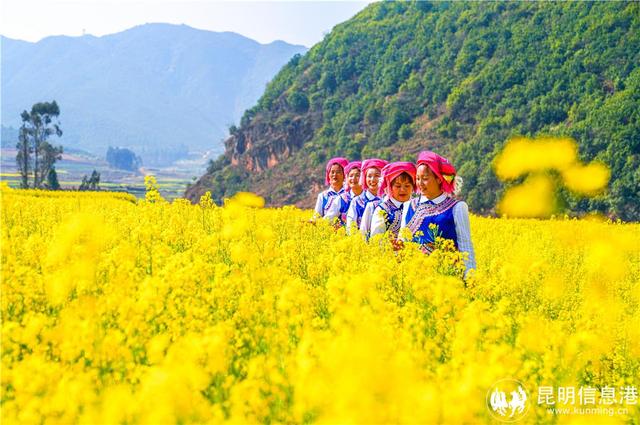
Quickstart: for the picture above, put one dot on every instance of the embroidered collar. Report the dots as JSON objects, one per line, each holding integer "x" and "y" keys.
{"x": 390, "y": 205}
{"x": 369, "y": 196}
{"x": 331, "y": 192}
{"x": 437, "y": 200}
{"x": 425, "y": 210}
{"x": 398, "y": 204}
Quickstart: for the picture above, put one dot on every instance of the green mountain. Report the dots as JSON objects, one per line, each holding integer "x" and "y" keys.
{"x": 459, "y": 78}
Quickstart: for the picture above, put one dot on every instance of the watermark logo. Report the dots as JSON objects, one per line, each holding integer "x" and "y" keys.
{"x": 587, "y": 400}
{"x": 507, "y": 400}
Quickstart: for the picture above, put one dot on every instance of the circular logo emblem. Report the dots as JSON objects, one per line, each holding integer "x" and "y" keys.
{"x": 508, "y": 400}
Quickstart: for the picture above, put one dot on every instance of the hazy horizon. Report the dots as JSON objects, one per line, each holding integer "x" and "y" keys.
{"x": 148, "y": 23}
{"x": 294, "y": 22}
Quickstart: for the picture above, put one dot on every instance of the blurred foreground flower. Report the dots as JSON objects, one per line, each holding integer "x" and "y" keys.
{"x": 522, "y": 155}
{"x": 537, "y": 157}
{"x": 587, "y": 180}
{"x": 247, "y": 199}
{"x": 533, "y": 198}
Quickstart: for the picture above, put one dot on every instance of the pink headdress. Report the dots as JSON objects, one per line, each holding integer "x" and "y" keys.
{"x": 441, "y": 167}
{"x": 393, "y": 170}
{"x": 350, "y": 166}
{"x": 370, "y": 163}
{"x": 343, "y": 162}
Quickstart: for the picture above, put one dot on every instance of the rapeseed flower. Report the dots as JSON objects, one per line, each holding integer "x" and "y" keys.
{"x": 155, "y": 312}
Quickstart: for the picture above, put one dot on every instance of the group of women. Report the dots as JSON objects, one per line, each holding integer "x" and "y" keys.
{"x": 375, "y": 196}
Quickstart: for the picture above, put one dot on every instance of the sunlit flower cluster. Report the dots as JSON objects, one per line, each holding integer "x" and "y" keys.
{"x": 165, "y": 312}
{"x": 538, "y": 159}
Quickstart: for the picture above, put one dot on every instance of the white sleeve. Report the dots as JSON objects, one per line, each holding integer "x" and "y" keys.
{"x": 463, "y": 232}
{"x": 405, "y": 211}
{"x": 403, "y": 222}
{"x": 318, "y": 208}
{"x": 365, "y": 222}
{"x": 334, "y": 208}
{"x": 378, "y": 224}
{"x": 352, "y": 216}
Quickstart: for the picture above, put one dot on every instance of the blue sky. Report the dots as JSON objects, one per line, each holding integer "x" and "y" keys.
{"x": 296, "y": 22}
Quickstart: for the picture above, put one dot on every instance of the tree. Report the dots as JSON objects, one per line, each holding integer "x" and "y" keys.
{"x": 328, "y": 81}
{"x": 298, "y": 102}
{"x": 37, "y": 126}
{"x": 90, "y": 183}
{"x": 48, "y": 156}
{"x": 52, "y": 180}
{"x": 123, "y": 159}
{"x": 23, "y": 158}
{"x": 94, "y": 181}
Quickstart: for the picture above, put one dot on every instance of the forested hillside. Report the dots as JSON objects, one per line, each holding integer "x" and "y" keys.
{"x": 459, "y": 78}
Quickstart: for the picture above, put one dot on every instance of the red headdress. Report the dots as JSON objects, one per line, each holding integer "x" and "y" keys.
{"x": 343, "y": 162}
{"x": 441, "y": 167}
{"x": 393, "y": 170}
{"x": 370, "y": 163}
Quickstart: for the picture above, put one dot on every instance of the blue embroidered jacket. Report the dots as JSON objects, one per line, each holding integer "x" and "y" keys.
{"x": 420, "y": 215}
{"x": 361, "y": 202}
{"x": 393, "y": 216}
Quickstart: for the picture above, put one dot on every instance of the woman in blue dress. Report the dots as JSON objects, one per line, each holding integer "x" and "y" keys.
{"x": 328, "y": 202}
{"x": 398, "y": 184}
{"x": 436, "y": 212}
{"x": 369, "y": 181}
{"x": 352, "y": 171}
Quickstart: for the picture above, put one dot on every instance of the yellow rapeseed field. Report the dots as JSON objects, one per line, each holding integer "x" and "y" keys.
{"x": 117, "y": 311}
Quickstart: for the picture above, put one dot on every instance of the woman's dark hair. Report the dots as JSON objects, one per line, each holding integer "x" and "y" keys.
{"x": 402, "y": 177}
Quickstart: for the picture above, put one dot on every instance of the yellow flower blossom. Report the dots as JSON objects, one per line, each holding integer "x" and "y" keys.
{"x": 117, "y": 311}
{"x": 533, "y": 198}
{"x": 522, "y": 155}
{"x": 588, "y": 179}
{"x": 537, "y": 158}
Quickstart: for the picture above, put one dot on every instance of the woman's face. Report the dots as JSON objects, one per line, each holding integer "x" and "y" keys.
{"x": 373, "y": 179}
{"x": 401, "y": 188}
{"x": 428, "y": 183}
{"x": 336, "y": 176}
{"x": 354, "y": 179}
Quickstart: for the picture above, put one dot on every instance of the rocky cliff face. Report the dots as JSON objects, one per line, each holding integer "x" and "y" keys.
{"x": 261, "y": 146}
{"x": 250, "y": 157}
{"x": 275, "y": 161}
